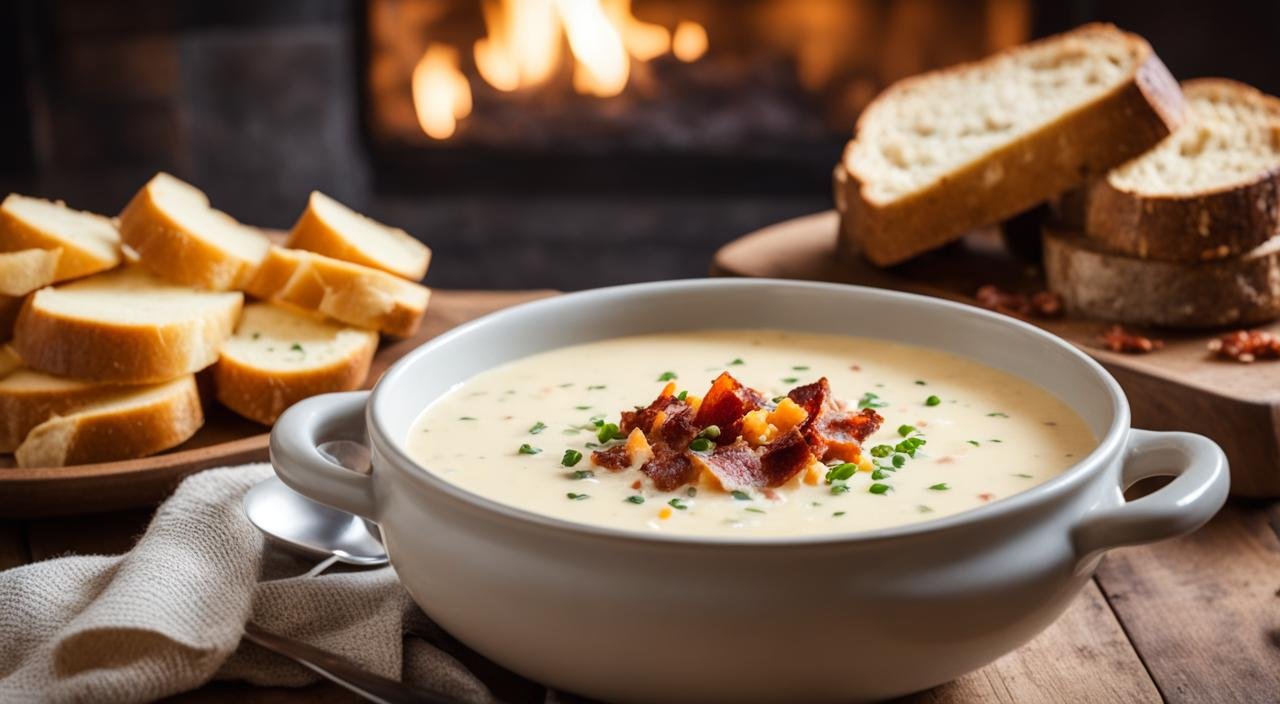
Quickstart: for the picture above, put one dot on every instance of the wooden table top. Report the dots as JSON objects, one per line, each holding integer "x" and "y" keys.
{"x": 1196, "y": 619}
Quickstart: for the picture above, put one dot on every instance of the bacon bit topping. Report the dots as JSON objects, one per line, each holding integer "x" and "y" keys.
{"x": 734, "y": 438}
{"x": 1043, "y": 304}
{"x": 1246, "y": 346}
{"x": 637, "y": 484}
{"x": 1117, "y": 339}
{"x": 986, "y": 496}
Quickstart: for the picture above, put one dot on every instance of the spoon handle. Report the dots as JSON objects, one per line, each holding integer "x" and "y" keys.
{"x": 343, "y": 672}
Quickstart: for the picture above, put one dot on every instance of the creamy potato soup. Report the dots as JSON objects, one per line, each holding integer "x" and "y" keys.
{"x": 747, "y": 432}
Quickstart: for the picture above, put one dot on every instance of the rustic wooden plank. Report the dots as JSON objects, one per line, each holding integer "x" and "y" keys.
{"x": 1083, "y": 657}
{"x": 1203, "y": 611}
{"x": 242, "y": 693}
{"x": 98, "y": 534}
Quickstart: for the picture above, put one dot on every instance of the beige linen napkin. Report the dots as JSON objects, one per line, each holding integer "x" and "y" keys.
{"x": 167, "y": 616}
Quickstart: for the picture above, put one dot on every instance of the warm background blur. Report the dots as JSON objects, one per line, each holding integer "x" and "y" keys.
{"x": 561, "y": 143}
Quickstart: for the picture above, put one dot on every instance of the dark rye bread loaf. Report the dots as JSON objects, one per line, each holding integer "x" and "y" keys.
{"x": 1095, "y": 283}
{"x": 1211, "y": 190}
{"x": 939, "y": 154}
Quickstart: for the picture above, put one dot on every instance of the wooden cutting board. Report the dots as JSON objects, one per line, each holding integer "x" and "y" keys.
{"x": 1177, "y": 388}
{"x": 225, "y": 439}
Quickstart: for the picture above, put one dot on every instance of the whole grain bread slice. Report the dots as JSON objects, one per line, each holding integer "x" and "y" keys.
{"x": 1096, "y": 283}
{"x": 133, "y": 422}
{"x": 1208, "y": 191}
{"x": 279, "y": 356}
{"x": 330, "y": 228}
{"x": 89, "y": 243}
{"x": 350, "y": 293}
{"x": 939, "y": 154}
{"x": 179, "y": 237}
{"x": 124, "y": 327}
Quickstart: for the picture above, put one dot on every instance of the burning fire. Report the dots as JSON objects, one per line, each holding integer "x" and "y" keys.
{"x": 524, "y": 44}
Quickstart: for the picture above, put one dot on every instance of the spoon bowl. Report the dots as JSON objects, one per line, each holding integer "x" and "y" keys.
{"x": 296, "y": 522}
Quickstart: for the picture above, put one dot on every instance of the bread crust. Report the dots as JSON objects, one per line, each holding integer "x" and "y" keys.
{"x": 171, "y": 251}
{"x": 314, "y": 234}
{"x": 1094, "y": 283}
{"x": 22, "y": 409}
{"x": 73, "y": 262}
{"x": 10, "y": 306}
{"x": 117, "y": 353}
{"x": 262, "y": 395}
{"x": 89, "y": 436}
{"x": 1219, "y": 223}
{"x": 1089, "y": 141}
{"x": 26, "y": 270}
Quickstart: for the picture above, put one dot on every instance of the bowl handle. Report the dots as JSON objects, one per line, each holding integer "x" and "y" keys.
{"x": 297, "y": 459}
{"x": 1197, "y": 492}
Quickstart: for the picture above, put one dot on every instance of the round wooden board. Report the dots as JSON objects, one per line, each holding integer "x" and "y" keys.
{"x": 1179, "y": 387}
{"x": 225, "y": 439}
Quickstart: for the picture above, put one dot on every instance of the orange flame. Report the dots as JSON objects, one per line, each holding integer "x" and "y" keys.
{"x": 441, "y": 94}
{"x": 689, "y": 42}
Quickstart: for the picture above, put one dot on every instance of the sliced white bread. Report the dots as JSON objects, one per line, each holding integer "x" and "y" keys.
{"x": 29, "y": 398}
{"x": 177, "y": 236}
{"x": 90, "y": 243}
{"x": 26, "y": 270}
{"x": 1210, "y": 190}
{"x": 279, "y": 356}
{"x": 124, "y": 327}
{"x": 330, "y": 228}
{"x": 349, "y": 293}
{"x": 1096, "y": 283}
{"x": 939, "y": 154}
{"x": 130, "y": 423}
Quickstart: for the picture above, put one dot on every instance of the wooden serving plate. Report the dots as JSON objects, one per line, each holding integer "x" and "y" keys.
{"x": 225, "y": 439}
{"x": 1180, "y": 387}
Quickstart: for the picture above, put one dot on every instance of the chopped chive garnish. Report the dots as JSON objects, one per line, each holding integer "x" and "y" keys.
{"x": 871, "y": 400}
{"x": 571, "y": 431}
{"x": 527, "y": 449}
{"x": 801, "y": 368}
{"x": 995, "y": 440}
{"x": 296, "y": 347}
{"x": 878, "y": 488}
{"x": 582, "y": 408}
{"x": 940, "y": 487}
{"x": 879, "y": 474}
{"x": 1023, "y": 475}
{"x": 571, "y": 457}
{"x": 778, "y": 399}
{"x": 789, "y": 380}
{"x": 583, "y": 474}
{"x": 899, "y": 460}
{"x": 905, "y": 430}
{"x": 920, "y": 382}
{"x": 839, "y": 489}
{"x": 682, "y": 395}
{"x": 974, "y": 443}
{"x": 841, "y": 472}
{"x": 711, "y": 431}
{"x": 924, "y": 509}
{"x": 595, "y": 387}
{"x": 932, "y": 401}
{"x": 701, "y": 445}
{"x": 737, "y": 362}
{"x": 607, "y": 432}
{"x": 882, "y": 450}
{"x": 838, "y": 514}
{"x": 577, "y": 497}
{"x": 666, "y": 376}
{"x": 635, "y": 499}
{"x": 741, "y": 495}
{"x": 566, "y": 384}
{"x": 466, "y": 418}
{"x": 997, "y": 414}
{"x": 753, "y": 509}
{"x": 677, "y": 504}
{"x": 257, "y": 335}
{"x": 537, "y": 428}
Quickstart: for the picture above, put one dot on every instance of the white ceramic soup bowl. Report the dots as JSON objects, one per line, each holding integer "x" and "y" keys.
{"x": 631, "y": 616}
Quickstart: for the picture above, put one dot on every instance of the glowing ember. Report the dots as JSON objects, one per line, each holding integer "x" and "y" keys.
{"x": 441, "y": 94}
{"x": 690, "y": 41}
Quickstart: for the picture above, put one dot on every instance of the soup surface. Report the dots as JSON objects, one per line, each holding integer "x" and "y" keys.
{"x": 539, "y": 433}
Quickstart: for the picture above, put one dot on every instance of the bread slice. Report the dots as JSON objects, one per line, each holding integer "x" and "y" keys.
{"x": 130, "y": 423}
{"x": 939, "y": 154}
{"x": 330, "y": 228}
{"x": 280, "y": 356}
{"x": 90, "y": 243}
{"x": 349, "y": 293}
{"x": 177, "y": 236}
{"x": 1095, "y": 283}
{"x": 10, "y": 362}
{"x": 1210, "y": 190}
{"x": 29, "y": 398}
{"x": 26, "y": 270}
{"x": 124, "y": 327}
